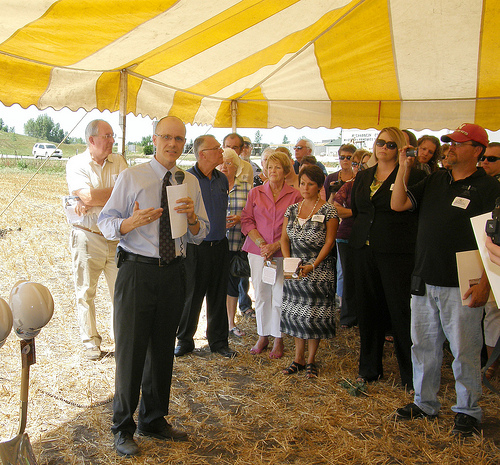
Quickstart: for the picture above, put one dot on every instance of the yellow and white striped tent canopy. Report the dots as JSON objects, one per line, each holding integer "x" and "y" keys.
{"x": 259, "y": 63}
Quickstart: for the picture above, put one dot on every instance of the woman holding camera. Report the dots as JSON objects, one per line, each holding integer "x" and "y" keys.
{"x": 382, "y": 242}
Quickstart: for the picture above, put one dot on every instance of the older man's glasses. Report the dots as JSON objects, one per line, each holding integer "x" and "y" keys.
{"x": 390, "y": 145}
{"x": 299, "y": 147}
{"x": 106, "y": 136}
{"x": 215, "y": 148}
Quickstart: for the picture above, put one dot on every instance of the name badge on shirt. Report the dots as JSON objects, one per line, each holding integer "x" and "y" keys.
{"x": 460, "y": 202}
{"x": 318, "y": 218}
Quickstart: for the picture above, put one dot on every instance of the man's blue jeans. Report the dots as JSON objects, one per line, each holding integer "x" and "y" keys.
{"x": 244, "y": 300}
{"x": 436, "y": 316}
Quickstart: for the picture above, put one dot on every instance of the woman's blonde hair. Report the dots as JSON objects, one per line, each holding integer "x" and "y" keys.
{"x": 396, "y": 134}
{"x": 282, "y": 159}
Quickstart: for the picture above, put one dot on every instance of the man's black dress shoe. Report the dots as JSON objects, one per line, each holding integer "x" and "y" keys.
{"x": 225, "y": 351}
{"x": 181, "y": 350}
{"x": 125, "y": 444}
{"x": 167, "y": 432}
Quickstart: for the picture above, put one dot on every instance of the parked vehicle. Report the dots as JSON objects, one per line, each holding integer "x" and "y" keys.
{"x": 46, "y": 150}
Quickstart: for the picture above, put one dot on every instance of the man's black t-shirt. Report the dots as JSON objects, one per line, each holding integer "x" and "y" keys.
{"x": 444, "y": 227}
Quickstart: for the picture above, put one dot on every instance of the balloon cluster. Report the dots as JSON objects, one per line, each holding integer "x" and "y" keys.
{"x": 30, "y": 308}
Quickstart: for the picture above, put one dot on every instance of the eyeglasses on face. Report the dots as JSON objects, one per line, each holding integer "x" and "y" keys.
{"x": 460, "y": 144}
{"x": 490, "y": 159}
{"x": 228, "y": 163}
{"x": 106, "y": 136}
{"x": 299, "y": 147}
{"x": 390, "y": 145}
{"x": 168, "y": 138}
{"x": 215, "y": 148}
{"x": 355, "y": 163}
{"x": 344, "y": 157}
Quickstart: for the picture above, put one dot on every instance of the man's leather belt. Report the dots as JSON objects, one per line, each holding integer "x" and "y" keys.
{"x": 212, "y": 243}
{"x": 132, "y": 257}
{"x": 88, "y": 230}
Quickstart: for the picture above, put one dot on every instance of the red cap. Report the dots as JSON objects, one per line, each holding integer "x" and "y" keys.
{"x": 468, "y": 131}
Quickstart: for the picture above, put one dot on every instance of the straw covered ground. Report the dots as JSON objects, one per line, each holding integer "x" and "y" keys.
{"x": 241, "y": 411}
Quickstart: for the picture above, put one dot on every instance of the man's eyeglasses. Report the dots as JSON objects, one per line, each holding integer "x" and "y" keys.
{"x": 390, "y": 145}
{"x": 168, "y": 137}
{"x": 460, "y": 144}
{"x": 490, "y": 159}
{"x": 107, "y": 136}
{"x": 343, "y": 157}
{"x": 299, "y": 147}
{"x": 215, "y": 148}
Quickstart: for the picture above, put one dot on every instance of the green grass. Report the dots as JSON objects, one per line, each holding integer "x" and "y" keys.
{"x": 55, "y": 166}
{"x": 18, "y": 144}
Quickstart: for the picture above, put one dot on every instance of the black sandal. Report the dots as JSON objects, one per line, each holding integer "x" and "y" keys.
{"x": 293, "y": 368}
{"x": 249, "y": 313}
{"x": 311, "y": 371}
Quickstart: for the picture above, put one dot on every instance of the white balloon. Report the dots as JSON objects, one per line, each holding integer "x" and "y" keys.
{"x": 5, "y": 321}
{"x": 32, "y": 308}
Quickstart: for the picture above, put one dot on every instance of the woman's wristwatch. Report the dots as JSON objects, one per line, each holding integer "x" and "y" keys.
{"x": 192, "y": 224}
{"x": 259, "y": 242}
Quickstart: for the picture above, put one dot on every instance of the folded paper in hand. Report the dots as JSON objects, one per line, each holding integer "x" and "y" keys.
{"x": 291, "y": 267}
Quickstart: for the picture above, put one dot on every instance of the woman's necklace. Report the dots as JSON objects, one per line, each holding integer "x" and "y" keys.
{"x": 310, "y": 214}
{"x": 340, "y": 177}
{"x": 275, "y": 194}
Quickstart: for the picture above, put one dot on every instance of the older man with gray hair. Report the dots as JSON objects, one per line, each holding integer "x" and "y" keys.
{"x": 91, "y": 176}
{"x": 207, "y": 263}
{"x": 302, "y": 148}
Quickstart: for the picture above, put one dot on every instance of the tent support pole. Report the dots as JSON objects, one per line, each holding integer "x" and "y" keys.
{"x": 123, "y": 106}
{"x": 234, "y": 114}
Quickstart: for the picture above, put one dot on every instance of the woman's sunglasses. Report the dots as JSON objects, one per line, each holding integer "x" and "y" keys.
{"x": 389, "y": 145}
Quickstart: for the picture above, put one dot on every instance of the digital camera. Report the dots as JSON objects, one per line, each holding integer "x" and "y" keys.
{"x": 493, "y": 225}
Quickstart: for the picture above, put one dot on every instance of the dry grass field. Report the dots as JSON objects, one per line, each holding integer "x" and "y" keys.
{"x": 241, "y": 411}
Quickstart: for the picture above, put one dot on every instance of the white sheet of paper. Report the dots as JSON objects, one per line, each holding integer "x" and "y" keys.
{"x": 269, "y": 275}
{"x": 470, "y": 270}
{"x": 178, "y": 221}
{"x": 492, "y": 269}
{"x": 290, "y": 264}
{"x": 69, "y": 203}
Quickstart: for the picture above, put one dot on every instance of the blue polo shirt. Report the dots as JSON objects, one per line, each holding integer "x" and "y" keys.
{"x": 215, "y": 193}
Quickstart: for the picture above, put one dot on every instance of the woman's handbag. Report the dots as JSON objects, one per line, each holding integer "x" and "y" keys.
{"x": 239, "y": 266}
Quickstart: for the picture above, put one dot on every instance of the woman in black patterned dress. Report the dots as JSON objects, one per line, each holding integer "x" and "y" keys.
{"x": 307, "y": 310}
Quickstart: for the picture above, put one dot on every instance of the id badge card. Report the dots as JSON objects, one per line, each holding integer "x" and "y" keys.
{"x": 269, "y": 272}
{"x": 461, "y": 202}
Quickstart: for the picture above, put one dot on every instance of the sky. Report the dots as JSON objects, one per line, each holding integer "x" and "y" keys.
{"x": 138, "y": 127}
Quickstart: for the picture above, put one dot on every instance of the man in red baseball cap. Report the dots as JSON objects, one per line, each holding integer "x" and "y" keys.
{"x": 466, "y": 132}
{"x": 446, "y": 200}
